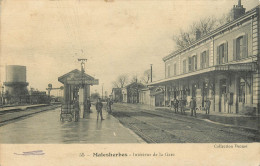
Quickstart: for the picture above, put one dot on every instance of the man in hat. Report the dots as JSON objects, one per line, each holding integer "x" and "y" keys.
{"x": 109, "y": 105}
{"x": 182, "y": 103}
{"x": 193, "y": 106}
{"x": 176, "y": 103}
{"x": 208, "y": 103}
{"x": 99, "y": 107}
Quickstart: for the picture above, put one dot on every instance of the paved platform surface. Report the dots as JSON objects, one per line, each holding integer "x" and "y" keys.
{"x": 46, "y": 127}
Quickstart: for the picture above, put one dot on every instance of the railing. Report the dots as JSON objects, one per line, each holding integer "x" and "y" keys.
{"x": 238, "y": 67}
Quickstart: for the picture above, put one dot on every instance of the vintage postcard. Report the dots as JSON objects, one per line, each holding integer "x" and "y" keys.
{"x": 129, "y": 82}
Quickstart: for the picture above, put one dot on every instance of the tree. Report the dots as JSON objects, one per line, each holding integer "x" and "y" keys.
{"x": 134, "y": 79}
{"x": 204, "y": 26}
{"x": 225, "y": 18}
{"x": 121, "y": 81}
{"x": 94, "y": 96}
{"x": 146, "y": 77}
{"x": 115, "y": 84}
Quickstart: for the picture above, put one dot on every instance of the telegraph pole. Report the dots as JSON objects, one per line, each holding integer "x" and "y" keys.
{"x": 151, "y": 72}
{"x": 102, "y": 90}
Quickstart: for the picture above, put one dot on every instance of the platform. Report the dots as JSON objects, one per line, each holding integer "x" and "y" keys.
{"x": 46, "y": 127}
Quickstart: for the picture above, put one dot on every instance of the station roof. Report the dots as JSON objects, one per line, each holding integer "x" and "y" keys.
{"x": 74, "y": 75}
{"x": 215, "y": 32}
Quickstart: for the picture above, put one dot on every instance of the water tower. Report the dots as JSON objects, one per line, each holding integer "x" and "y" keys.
{"x": 15, "y": 83}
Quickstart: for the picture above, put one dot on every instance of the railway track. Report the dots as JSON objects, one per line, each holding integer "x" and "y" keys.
{"x": 143, "y": 128}
{"x": 18, "y": 109}
{"x": 19, "y": 114}
{"x": 139, "y": 131}
{"x": 224, "y": 127}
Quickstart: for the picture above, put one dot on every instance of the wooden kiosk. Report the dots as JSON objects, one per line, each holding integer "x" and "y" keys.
{"x": 76, "y": 91}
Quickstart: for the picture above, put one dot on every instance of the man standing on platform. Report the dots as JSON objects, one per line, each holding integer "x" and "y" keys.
{"x": 88, "y": 105}
{"x": 76, "y": 109}
{"x": 208, "y": 102}
{"x": 99, "y": 107}
{"x": 176, "y": 103}
{"x": 193, "y": 106}
{"x": 109, "y": 105}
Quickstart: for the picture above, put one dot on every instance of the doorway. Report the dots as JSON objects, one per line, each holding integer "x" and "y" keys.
{"x": 193, "y": 92}
{"x": 205, "y": 93}
{"x": 222, "y": 95}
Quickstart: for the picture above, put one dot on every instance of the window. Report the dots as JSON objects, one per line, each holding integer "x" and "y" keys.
{"x": 222, "y": 53}
{"x": 175, "y": 68}
{"x": 194, "y": 60}
{"x": 204, "y": 59}
{"x": 190, "y": 67}
{"x": 239, "y": 50}
{"x": 240, "y": 47}
{"x": 184, "y": 66}
{"x": 169, "y": 70}
{"x": 193, "y": 63}
{"x": 242, "y": 91}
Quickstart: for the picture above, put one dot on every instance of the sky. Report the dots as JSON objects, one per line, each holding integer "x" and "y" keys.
{"x": 116, "y": 36}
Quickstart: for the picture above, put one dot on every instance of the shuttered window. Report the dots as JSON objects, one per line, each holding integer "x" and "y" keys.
{"x": 193, "y": 63}
{"x": 190, "y": 64}
{"x": 207, "y": 58}
{"x": 222, "y": 53}
{"x": 184, "y": 66}
{"x": 169, "y": 70}
{"x": 204, "y": 59}
{"x": 240, "y": 47}
{"x": 202, "y": 55}
{"x": 175, "y": 69}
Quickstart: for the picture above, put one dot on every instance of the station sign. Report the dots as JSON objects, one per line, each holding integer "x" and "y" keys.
{"x": 85, "y": 82}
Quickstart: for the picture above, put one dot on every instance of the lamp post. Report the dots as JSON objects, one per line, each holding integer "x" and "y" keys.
{"x": 102, "y": 90}
{"x": 151, "y": 72}
{"x": 82, "y": 70}
{"x": 2, "y": 95}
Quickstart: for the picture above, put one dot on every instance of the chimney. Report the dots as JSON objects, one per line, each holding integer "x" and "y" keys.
{"x": 239, "y": 3}
{"x": 198, "y": 34}
{"x": 237, "y": 11}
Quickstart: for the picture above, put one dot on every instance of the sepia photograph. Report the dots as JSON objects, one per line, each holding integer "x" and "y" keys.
{"x": 129, "y": 79}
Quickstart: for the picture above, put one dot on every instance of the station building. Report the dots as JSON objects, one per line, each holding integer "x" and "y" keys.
{"x": 117, "y": 94}
{"x": 222, "y": 66}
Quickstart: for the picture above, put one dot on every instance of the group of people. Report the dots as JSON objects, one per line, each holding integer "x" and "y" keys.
{"x": 99, "y": 107}
{"x": 180, "y": 105}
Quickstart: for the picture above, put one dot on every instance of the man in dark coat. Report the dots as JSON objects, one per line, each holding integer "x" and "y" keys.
{"x": 76, "y": 109}
{"x": 181, "y": 105}
{"x": 99, "y": 107}
{"x": 193, "y": 106}
{"x": 208, "y": 103}
{"x": 176, "y": 103}
{"x": 88, "y": 104}
{"x": 109, "y": 105}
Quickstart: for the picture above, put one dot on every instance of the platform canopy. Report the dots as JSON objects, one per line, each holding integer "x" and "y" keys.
{"x": 75, "y": 77}
{"x": 238, "y": 67}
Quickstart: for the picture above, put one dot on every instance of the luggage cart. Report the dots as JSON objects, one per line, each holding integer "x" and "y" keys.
{"x": 67, "y": 113}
